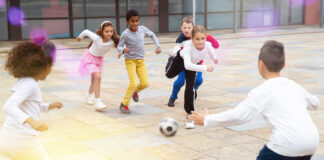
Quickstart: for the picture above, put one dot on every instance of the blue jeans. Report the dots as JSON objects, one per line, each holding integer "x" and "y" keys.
{"x": 178, "y": 84}
{"x": 268, "y": 154}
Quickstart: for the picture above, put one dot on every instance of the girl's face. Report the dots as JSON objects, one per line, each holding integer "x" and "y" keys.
{"x": 199, "y": 40}
{"x": 108, "y": 32}
{"x": 133, "y": 23}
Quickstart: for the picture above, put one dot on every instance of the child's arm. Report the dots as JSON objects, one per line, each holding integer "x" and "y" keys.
{"x": 11, "y": 106}
{"x": 45, "y": 107}
{"x": 213, "y": 41}
{"x": 187, "y": 61}
{"x": 87, "y": 33}
{"x": 37, "y": 125}
{"x": 243, "y": 113}
{"x": 120, "y": 47}
{"x": 212, "y": 55}
{"x": 175, "y": 49}
{"x": 154, "y": 38}
{"x": 312, "y": 101}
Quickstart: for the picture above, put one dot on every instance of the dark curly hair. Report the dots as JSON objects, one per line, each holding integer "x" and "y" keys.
{"x": 28, "y": 59}
{"x": 131, "y": 13}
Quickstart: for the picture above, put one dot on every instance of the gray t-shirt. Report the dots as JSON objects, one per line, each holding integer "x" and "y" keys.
{"x": 134, "y": 41}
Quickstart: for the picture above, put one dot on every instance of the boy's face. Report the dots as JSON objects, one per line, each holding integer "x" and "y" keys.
{"x": 186, "y": 29}
{"x": 199, "y": 40}
{"x": 133, "y": 23}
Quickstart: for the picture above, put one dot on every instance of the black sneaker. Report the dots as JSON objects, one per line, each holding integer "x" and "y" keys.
{"x": 171, "y": 102}
{"x": 135, "y": 96}
{"x": 196, "y": 94}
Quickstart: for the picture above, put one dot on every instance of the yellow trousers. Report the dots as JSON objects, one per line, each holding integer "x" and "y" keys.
{"x": 135, "y": 66}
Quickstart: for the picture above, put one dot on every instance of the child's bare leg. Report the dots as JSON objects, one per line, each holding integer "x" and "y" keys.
{"x": 96, "y": 84}
{"x": 92, "y": 83}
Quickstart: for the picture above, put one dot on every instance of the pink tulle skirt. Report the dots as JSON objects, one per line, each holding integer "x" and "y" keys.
{"x": 90, "y": 63}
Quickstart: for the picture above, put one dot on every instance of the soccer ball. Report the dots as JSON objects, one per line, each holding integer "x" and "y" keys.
{"x": 168, "y": 127}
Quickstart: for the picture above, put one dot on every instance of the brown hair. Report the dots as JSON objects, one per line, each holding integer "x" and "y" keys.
{"x": 272, "y": 54}
{"x": 188, "y": 20}
{"x": 198, "y": 29}
{"x": 115, "y": 36}
{"x": 28, "y": 59}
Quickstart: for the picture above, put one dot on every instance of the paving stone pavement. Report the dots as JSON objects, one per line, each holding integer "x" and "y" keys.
{"x": 78, "y": 132}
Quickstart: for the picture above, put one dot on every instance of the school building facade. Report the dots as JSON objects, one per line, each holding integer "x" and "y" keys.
{"x": 67, "y": 18}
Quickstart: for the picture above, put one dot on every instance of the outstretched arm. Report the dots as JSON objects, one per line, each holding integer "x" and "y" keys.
{"x": 243, "y": 113}
{"x": 154, "y": 38}
{"x": 87, "y": 33}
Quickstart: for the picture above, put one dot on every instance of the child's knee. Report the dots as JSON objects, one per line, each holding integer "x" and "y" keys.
{"x": 199, "y": 81}
{"x": 132, "y": 86}
{"x": 144, "y": 85}
{"x": 97, "y": 77}
{"x": 179, "y": 83}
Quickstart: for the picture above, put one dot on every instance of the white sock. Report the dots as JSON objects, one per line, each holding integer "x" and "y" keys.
{"x": 98, "y": 100}
{"x": 89, "y": 94}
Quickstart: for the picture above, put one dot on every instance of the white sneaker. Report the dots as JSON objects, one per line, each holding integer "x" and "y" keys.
{"x": 190, "y": 124}
{"x": 100, "y": 106}
{"x": 90, "y": 100}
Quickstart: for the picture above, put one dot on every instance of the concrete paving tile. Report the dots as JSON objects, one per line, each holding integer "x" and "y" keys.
{"x": 197, "y": 142}
{"x": 64, "y": 147}
{"x": 108, "y": 147}
{"x": 84, "y": 156}
{"x": 117, "y": 128}
{"x": 136, "y": 154}
{"x": 77, "y": 130}
{"x": 175, "y": 152}
{"x": 230, "y": 152}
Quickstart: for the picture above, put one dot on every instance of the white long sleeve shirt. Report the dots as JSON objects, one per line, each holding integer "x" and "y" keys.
{"x": 25, "y": 102}
{"x": 191, "y": 56}
{"x": 283, "y": 104}
{"x": 98, "y": 47}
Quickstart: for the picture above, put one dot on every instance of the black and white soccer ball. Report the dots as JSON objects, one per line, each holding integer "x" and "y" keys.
{"x": 168, "y": 127}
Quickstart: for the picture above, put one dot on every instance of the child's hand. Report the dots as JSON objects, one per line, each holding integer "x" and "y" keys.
{"x": 78, "y": 39}
{"x": 54, "y": 105}
{"x": 216, "y": 61}
{"x": 37, "y": 125}
{"x": 197, "y": 117}
{"x": 119, "y": 55}
{"x": 158, "y": 50}
{"x": 210, "y": 68}
{"x": 126, "y": 50}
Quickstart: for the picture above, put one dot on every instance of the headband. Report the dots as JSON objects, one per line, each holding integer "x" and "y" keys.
{"x": 103, "y": 23}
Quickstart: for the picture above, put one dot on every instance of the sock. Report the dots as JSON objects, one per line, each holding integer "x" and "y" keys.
{"x": 98, "y": 100}
{"x": 89, "y": 94}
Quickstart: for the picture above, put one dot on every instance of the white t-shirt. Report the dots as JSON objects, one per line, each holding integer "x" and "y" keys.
{"x": 98, "y": 47}
{"x": 283, "y": 104}
{"x": 25, "y": 101}
{"x": 191, "y": 56}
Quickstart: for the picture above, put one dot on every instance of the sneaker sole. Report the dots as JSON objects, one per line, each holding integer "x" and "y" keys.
{"x": 101, "y": 109}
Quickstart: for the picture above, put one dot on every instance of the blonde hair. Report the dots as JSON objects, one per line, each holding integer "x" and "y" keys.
{"x": 198, "y": 29}
{"x": 188, "y": 20}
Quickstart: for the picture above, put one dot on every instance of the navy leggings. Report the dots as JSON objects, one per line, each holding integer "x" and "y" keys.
{"x": 268, "y": 154}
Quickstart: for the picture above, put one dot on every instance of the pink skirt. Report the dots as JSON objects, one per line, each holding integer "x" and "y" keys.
{"x": 90, "y": 64}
